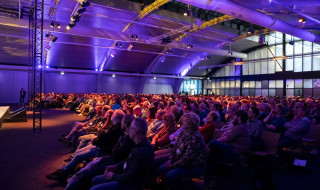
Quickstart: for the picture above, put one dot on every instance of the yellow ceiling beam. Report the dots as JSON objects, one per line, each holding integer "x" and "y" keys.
{"x": 205, "y": 25}
{"x": 155, "y": 5}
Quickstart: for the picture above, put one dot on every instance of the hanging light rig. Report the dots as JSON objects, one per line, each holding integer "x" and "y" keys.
{"x": 189, "y": 46}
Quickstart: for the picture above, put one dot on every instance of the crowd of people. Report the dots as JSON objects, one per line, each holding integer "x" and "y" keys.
{"x": 130, "y": 141}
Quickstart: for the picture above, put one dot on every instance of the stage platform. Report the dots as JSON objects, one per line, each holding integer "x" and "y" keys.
{"x": 4, "y": 114}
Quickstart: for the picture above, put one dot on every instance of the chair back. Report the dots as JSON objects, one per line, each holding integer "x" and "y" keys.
{"x": 270, "y": 141}
{"x": 313, "y": 133}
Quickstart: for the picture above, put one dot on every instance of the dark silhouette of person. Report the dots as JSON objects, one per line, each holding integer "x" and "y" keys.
{"x": 22, "y": 95}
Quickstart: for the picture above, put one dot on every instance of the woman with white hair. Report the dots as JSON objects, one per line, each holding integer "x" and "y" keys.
{"x": 188, "y": 157}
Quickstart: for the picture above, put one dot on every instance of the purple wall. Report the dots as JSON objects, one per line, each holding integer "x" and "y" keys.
{"x": 158, "y": 86}
{"x": 119, "y": 84}
{"x": 11, "y": 83}
{"x": 70, "y": 82}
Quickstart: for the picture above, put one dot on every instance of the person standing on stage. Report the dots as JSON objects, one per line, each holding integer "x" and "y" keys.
{"x": 22, "y": 95}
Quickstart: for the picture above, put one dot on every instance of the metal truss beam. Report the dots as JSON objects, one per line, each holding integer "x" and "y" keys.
{"x": 36, "y": 28}
{"x": 205, "y": 25}
{"x": 155, "y": 5}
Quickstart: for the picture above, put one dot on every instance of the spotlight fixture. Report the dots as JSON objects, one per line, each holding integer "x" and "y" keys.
{"x": 162, "y": 59}
{"x": 130, "y": 47}
{"x": 118, "y": 44}
{"x": 96, "y": 69}
{"x": 85, "y": 4}
{"x": 47, "y": 35}
{"x": 301, "y": 19}
{"x": 47, "y": 67}
{"x": 39, "y": 66}
{"x": 52, "y": 24}
{"x": 58, "y": 26}
{"x": 82, "y": 10}
{"x": 137, "y": 38}
{"x": 166, "y": 40}
{"x": 62, "y": 72}
{"x": 230, "y": 53}
{"x": 132, "y": 36}
{"x": 169, "y": 51}
{"x": 190, "y": 46}
{"x": 113, "y": 75}
{"x": 71, "y": 25}
{"x": 154, "y": 77}
{"x": 75, "y": 18}
{"x": 208, "y": 78}
{"x": 54, "y": 38}
{"x": 113, "y": 53}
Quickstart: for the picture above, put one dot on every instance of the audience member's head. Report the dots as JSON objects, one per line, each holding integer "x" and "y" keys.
{"x": 138, "y": 129}
{"x": 117, "y": 116}
{"x": 253, "y": 113}
{"x": 126, "y": 121}
{"x": 160, "y": 114}
{"x": 137, "y": 111}
{"x": 212, "y": 117}
{"x": 242, "y": 117}
{"x": 190, "y": 122}
{"x": 169, "y": 120}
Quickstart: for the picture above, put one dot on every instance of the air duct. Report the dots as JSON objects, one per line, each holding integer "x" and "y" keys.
{"x": 243, "y": 13}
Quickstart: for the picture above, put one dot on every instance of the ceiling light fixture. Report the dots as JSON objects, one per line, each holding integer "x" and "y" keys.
{"x": 71, "y": 25}
{"x": 190, "y": 46}
{"x": 301, "y": 19}
{"x": 58, "y": 26}
{"x": 52, "y": 24}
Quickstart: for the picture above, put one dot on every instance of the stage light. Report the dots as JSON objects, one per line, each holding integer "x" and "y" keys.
{"x": 47, "y": 46}
{"x": 154, "y": 77}
{"x": 58, "y": 26}
{"x": 47, "y": 35}
{"x": 230, "y": 53}
{"x": 82, "y": 10}
{"x": 75, "y": 18}
{"x": 137, "y": 37}
{"x": 208, "y": 78}
{"x": 130, "y": 47}
{"x": 71, "y": 25}
{"x": 96, "y": 69}
{"x": 162, "y": 59}
{"x": 301, "y": 19}
{"x": 113, "y": 53}
{"x": 47, "y": 67}
{"x": 54, "y": 38}
{"x": 190, "y": 46}
{"x": 132, "y": 36}
{"x": 52, "y": 24}
{"x": 113, "y": 75}
{"x": 62, "y": 72}
{"x": 85, "y": 4}
{"x": 39, "y": 66}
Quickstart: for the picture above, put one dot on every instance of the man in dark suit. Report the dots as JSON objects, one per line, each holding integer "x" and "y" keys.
{"x": 22, "y": 95}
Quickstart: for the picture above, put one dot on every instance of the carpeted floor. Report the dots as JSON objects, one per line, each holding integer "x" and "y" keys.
{"x": 27, "y": 157}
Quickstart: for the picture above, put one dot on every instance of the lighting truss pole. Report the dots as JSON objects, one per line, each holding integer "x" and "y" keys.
{"x": 37, "y": 58}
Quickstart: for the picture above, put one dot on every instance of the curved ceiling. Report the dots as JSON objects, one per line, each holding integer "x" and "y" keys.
{"x": 98, "y": 34}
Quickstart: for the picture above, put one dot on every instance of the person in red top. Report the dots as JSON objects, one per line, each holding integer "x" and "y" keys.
{"x": 161, "y": 139}
{"x": 207, "y": 129}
